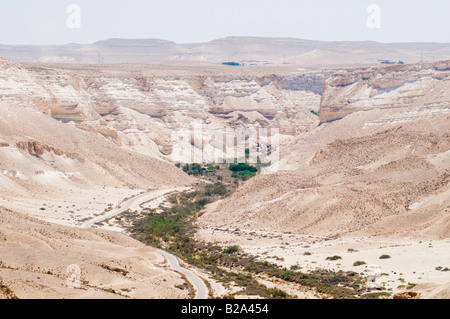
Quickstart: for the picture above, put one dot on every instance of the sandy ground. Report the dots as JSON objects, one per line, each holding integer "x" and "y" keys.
{"x": 154, "y": 200}
{"x": 44, "y": 260}
{"x": 412, "y": 261}
{"x": 378, "y": 191}
{"x": 70, "y": 207}
{"x": 378, "y": 172}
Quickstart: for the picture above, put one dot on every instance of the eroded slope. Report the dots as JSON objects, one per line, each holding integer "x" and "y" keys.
{"x": 40, "y": 260}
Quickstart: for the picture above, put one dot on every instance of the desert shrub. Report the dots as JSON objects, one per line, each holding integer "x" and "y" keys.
{"x": 334, "y": 258}
{"x": 193, "y": 169}
{"x": 377, "y": 295}
{"x": 410, "y": 285}
{"x": 359, "y": 263}
{"x": 385, "y": 257}
{"x": 196, "y": 169}
{"x": 240, "y": 167}
{"x": 216, "y": 189}
{"x": 232, "y": 249}
{"x": 7, "y": 292}
{"x": 244, "y": 175}
{"x": 277, "y": 293}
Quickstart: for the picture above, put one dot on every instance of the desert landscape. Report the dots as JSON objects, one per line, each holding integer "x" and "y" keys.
{"x": 360, "y": 185}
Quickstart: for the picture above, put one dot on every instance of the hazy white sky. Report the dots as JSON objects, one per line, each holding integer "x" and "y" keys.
{"x": 184, "y": 21}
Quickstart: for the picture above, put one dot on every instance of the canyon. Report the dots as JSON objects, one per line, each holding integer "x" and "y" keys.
{"x": 364, "y": 161}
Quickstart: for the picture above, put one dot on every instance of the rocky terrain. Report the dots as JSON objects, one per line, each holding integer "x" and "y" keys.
{"x": 139, "y": 110}
{"x": 363, "y": 163}
{"x": 76, "y": 142}
{"x": 376, "y": 158}
{"x": 373, "y": 175}
{"x": 421, "y": 90}
{"x": 391, "y": 182}
{"x": 43, "y": 260}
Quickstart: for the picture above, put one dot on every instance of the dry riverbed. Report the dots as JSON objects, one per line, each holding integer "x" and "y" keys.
{"x": 413, "y": 264}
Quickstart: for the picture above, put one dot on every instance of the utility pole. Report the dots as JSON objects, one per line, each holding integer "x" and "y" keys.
{"x": 100, "y": 58}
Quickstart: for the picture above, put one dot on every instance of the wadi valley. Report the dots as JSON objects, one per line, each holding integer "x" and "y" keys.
{"x": 362, "y": 168}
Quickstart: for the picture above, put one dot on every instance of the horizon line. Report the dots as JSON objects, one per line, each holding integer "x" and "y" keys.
{"x": 224, "y": 38}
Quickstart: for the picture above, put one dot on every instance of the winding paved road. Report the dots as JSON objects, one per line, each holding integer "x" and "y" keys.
{"x": 125, "y": 206}
{"x": 197, "y": 282}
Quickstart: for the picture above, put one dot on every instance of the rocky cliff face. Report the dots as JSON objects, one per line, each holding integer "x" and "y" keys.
{"x": 139, "y": 111}
{"x": 378, "y": 164}
{"x": 414, "y": 91}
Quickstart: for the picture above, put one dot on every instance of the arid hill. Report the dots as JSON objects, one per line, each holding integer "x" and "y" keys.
{"x": 382, "y": 169}
{"x": 364, "y": 153}
{"x": 43, "y": 260}
{"x": 243, "y": 50}
{"x": 420, "y": 89}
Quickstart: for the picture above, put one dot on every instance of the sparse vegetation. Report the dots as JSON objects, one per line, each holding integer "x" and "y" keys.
{"x": 172, "y": 230}
{"x": 359, "y": 263}
{"x": 385, "y": 257}
{"x": 193, "y": 169}
{"x": 410, "y": 285}
{"x": 7, "y": 292}
{"x": 332, "y": 258}
{"x": 232, "y": 249}
{"x": 244, "y": 175}
{"x": 240, "y": 171}
{"x": 217, "y": 188}
{"x": 243, "y": 171}
{"x": 377, "y": 295}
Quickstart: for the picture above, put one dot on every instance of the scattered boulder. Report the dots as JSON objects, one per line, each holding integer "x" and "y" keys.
{"x": 407, "y": 295}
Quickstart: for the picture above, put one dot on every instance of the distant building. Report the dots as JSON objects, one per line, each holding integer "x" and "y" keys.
{"x": 231, "y": 63}
{"x": 391, "y": 62}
